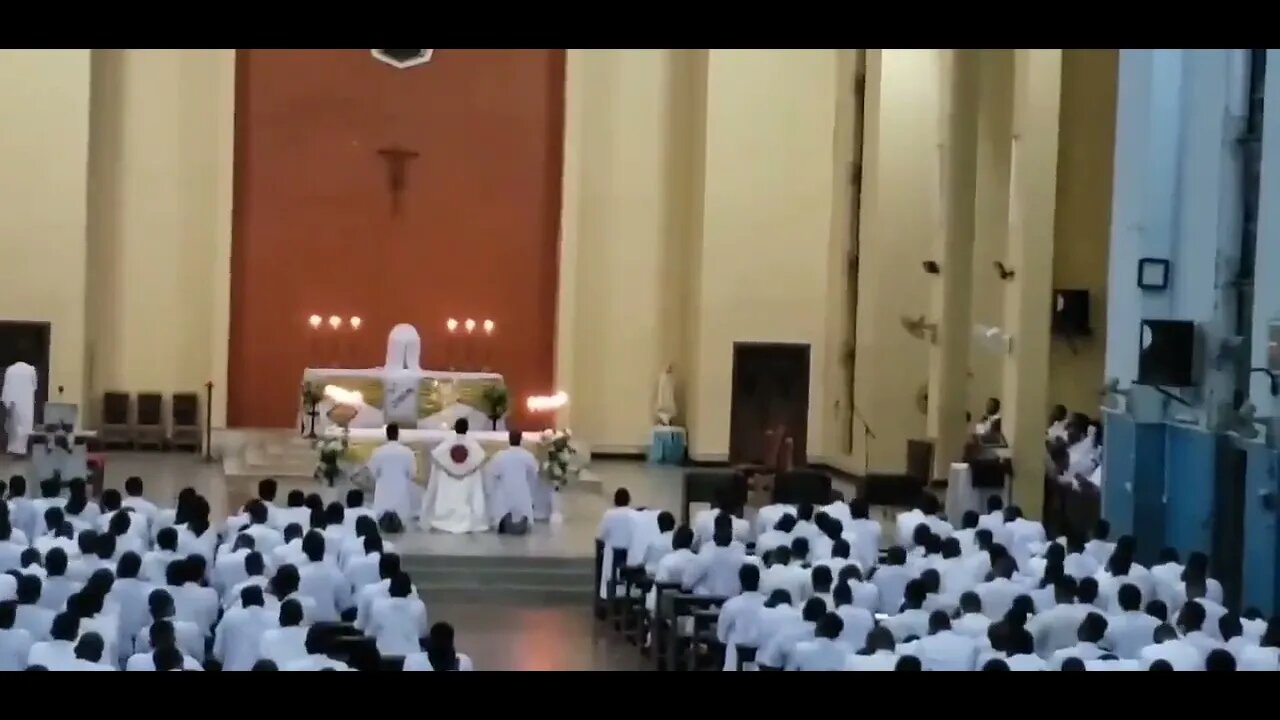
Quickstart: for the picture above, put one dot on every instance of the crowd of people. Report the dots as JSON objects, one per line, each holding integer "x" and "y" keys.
{"x": 808, "y": 588}
{"x": 123, "y": 584}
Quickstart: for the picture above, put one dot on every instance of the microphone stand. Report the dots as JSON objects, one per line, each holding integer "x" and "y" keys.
{"x": 867, "y": 437}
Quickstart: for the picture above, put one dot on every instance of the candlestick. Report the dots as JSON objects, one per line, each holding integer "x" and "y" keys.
{"x": 313, "y": 339}
{"x": 353, "y": 342}
{"x": 486, "y": 354}
{"x": 451, "y": 350}
{"x": 335, "y": 341}
{"x": 469, "y": 348}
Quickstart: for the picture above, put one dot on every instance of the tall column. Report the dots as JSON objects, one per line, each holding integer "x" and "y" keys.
{"x": 1262, "y": 531}
{"x": 1037, "y": 83}
{"x": 950, "y": 301}
{"x": 991, "y": 219}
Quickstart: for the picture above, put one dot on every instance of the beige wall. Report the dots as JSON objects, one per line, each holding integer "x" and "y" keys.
{"x": 44, "y": 145}
{"x": 1083, "y": 221}
{"x": 704, "y": 204}
{"x": 625, "y": 226}
{"x": 901, "y": 219}
{"x": 160, "y": 219}
{"x": 115, "y": 169}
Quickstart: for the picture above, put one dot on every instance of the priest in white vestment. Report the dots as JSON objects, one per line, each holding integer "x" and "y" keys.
{"x": 393, "y": 467}
{"x": 513, "y": 472}
{"x": 19, "y": 399}
{"x": 454, "y": 500}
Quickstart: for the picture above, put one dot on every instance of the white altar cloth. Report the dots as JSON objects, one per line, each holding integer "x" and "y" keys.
{"x": 397, "y": 396}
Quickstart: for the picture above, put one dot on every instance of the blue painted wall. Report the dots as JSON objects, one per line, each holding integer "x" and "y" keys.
{"x": 1262, "y": 536}
{"x": 1177, "y": 196}
{"x": 1189, "y": 476}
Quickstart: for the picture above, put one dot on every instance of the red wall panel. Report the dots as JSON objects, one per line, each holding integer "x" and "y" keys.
{"x": 314, "y": 230}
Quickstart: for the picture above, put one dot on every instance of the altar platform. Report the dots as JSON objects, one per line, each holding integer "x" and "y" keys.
{"x": 248, "y": 455}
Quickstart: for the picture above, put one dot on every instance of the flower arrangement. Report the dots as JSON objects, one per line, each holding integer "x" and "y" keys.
{"x": 495, "y": 399}
{"x": 560, "y": 465}
{"x": 331, "y": 449}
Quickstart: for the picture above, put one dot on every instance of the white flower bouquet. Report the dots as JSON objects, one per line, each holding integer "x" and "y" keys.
{"x": 561, "y": 463}
{"x": 330, "y": 450}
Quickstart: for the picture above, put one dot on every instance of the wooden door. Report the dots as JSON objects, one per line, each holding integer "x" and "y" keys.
{"x": 770, "y": 393}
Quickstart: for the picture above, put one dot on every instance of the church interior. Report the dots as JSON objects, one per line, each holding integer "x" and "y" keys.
{"x": 1004, "y": 289}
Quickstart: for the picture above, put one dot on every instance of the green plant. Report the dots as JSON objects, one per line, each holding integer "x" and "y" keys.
{"x": 495, "y": 398}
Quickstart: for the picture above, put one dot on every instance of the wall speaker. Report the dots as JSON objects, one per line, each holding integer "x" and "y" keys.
{"x": 1071, "y": 313}
{"x": 1166, "y": 353}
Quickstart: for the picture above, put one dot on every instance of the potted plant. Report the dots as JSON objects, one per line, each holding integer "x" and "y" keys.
{"x": 495, "y": 399}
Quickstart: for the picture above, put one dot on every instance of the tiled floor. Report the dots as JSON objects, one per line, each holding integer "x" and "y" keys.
{"x": 536, "y": 638}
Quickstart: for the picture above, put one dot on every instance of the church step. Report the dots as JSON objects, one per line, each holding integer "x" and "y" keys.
{"x": 471, "y": 593}
{"x": 483, "y": 563}
{"x": 502, "y": 577}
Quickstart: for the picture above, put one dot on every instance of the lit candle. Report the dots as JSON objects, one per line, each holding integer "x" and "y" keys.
{"x": 468, "y": 345}
{"x": 355, "y": 322}
{"x": 313, "y": 340}
{"x": 335, "y": 348}
{"x": 486, "y": 352}
{"x": 451, "y": 350}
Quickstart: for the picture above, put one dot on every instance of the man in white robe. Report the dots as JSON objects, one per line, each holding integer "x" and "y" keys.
{"x": 454, "y": 500}
{"x": 19, "y": 398}
{"x": 399, "y": 621}
{"x": 236, "y": 643}
{"x": 736, "y": 624}
{"x": 15, "y": 643}
{"x": 286, "y": 643}
{"x": 513, "y": 473}
{"x": 314, "y": 659}
{"x": 393, "y": 467}
{"x": 57, "y": 653}
{"x": 823, "y": 653}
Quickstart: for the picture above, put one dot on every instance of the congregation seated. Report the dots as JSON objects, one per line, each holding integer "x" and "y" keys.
{"x": 997, "y": 594}
{"x": 125, "y": 584}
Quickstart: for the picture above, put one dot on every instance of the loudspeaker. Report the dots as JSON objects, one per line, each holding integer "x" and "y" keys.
{"x": 1071, "y": 313}
{"x": 1166, "y": 353}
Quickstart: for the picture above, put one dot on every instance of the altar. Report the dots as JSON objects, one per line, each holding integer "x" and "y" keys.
{"x": 400, "y": 391}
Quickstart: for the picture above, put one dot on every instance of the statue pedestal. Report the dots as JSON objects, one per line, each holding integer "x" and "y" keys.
{"x": 667, "y": 445}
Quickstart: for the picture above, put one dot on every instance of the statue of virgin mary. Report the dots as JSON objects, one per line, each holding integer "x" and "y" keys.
{"x": 665, "y": 404}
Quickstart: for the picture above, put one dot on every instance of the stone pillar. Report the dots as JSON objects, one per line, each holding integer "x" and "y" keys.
{"x": 950, "y": 301}
{"x": 1037, "y": 81}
